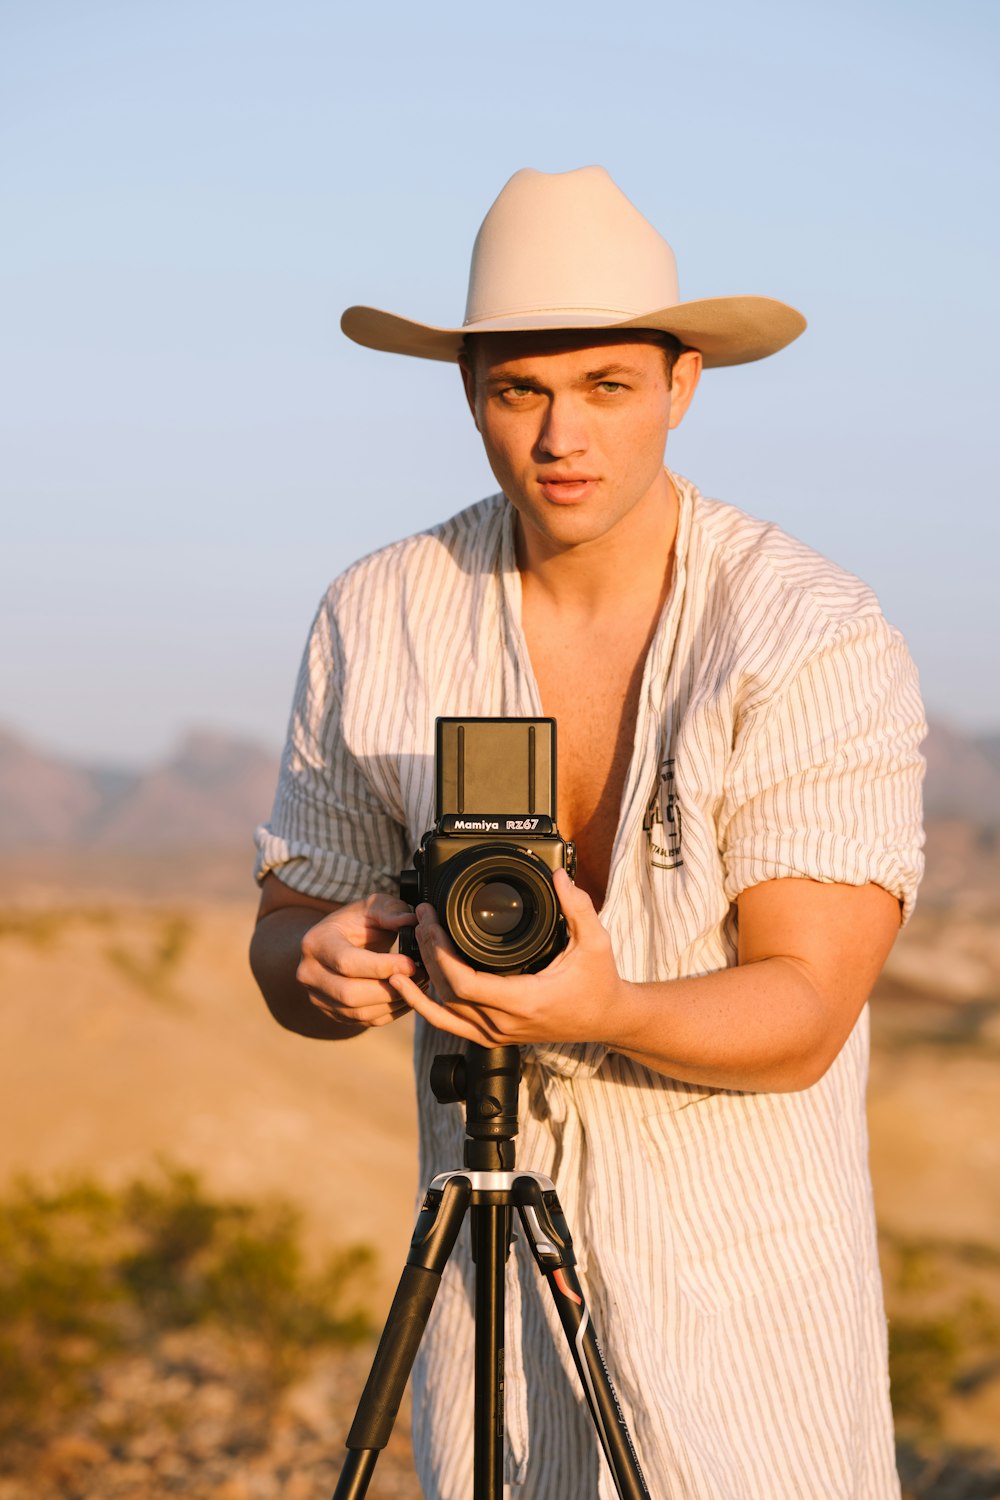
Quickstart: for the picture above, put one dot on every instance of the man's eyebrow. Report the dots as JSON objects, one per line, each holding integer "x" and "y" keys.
{"x": 605, "y": 372}
{"x": 511, "y": 377}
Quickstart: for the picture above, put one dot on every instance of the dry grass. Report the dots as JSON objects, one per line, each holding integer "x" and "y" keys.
{"x": 134, "y": 1031}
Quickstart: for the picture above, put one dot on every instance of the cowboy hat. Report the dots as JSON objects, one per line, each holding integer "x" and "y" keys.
{"x": 568, "y": 250}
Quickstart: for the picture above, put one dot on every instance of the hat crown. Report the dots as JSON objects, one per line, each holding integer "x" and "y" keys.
{"x": 566, "y": 242}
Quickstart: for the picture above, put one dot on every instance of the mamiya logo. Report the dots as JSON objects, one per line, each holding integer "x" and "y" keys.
{"x": 494, "y": 823}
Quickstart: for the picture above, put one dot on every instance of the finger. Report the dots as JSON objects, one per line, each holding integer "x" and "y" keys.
{"x": 447, "y": 968}
{"x": 374, "y": 922}
{"x": 396, "y": 1014}
{"x": 343, "y": 958}
{"x": 388, "y": 912}
{"x": 377, "y": 929}
{"x": 443, "y": 1017}
{"x": 349, "y": 992}
{"x": 373, "y": 1014}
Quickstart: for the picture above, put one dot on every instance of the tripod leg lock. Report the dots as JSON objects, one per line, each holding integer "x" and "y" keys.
{"x": 438, "y": 1223}
{"x": 544, "y": 1224}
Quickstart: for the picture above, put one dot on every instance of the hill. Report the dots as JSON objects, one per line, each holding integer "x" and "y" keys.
{"x": 210, "y": 792}
{"x": 213, "y": 788}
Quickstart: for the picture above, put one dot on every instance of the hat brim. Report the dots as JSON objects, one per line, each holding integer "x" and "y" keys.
{"x": 727, "y": 330}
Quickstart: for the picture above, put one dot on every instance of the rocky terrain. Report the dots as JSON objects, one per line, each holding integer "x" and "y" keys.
{"x": 131, "y": 1034}
{"x": 192, "y": 1417}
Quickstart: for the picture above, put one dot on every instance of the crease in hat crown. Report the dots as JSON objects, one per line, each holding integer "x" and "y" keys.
{"x": 567, "y": 242}
{"x": 569, "y": 250}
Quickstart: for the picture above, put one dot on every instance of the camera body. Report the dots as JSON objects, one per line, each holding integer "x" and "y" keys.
{"x": 488, "y": 873}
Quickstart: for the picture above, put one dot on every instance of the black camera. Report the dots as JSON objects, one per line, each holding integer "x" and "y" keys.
{"x": 488, "y": 873}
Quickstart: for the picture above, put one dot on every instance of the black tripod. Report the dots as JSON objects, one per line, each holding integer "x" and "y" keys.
{"x": 489, "y": 1189}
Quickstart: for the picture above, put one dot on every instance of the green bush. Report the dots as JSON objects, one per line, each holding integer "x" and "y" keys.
{"x": 153, "y": 971}
{"x": 944, "y": 1327}
{"x": 85, "y": 1273}
{"x": 923, "y": 1362}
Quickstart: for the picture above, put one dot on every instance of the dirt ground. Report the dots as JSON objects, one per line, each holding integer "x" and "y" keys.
{"x": 131, "y": 1030}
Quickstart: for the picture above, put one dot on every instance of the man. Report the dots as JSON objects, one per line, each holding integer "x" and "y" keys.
{"x": 739, "y": 768}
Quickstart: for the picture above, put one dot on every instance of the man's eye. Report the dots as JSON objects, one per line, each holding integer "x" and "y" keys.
{"x": 611, "y": 386}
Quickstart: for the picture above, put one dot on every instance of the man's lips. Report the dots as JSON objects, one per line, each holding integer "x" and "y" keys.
{"x": 566, "y": 489}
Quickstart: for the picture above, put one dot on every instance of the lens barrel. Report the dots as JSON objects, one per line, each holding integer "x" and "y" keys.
{"x": 500, "y": 908}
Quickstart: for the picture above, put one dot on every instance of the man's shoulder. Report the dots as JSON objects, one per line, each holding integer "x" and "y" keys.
{"x": 757, "y": 559}
{"x": 467, "y": 544}
{"x": 766, "y": 606}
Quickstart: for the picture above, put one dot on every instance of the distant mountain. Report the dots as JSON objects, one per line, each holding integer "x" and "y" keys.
{"x": 43, "y": 800}
{"x": 211, "y": 793}
{"x": 214, "y": 789}
{"x": 990, "y": 745}
{"x": 963, "y": 776}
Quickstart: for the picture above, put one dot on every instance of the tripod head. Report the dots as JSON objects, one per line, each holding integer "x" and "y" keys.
{"x": 487, "y": 1078}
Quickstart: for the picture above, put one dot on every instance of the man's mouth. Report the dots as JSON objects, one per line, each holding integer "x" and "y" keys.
{"x": 567, "y": 489}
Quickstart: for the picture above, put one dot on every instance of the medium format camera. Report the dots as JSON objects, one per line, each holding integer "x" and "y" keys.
{"x": 487, "y": 864}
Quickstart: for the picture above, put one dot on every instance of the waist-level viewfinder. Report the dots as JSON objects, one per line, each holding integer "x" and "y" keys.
{"x": 487, "y": 864}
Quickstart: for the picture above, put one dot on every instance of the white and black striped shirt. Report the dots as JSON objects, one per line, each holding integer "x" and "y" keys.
{"x": 726, "y": 1239}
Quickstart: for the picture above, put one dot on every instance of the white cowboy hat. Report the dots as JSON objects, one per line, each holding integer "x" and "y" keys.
{"x": 568, "y": 250}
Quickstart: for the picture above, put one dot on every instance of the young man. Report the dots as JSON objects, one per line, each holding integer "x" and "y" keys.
{"x": 739, "y": 769}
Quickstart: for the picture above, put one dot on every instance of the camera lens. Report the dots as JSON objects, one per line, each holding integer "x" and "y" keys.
{"x": 499, "y": 906}
{"x": 496, "y": 908}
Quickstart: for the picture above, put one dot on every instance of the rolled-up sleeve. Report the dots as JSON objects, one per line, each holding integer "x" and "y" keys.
{"x": 825, "y": 779}
{"x": 329, "y": 835}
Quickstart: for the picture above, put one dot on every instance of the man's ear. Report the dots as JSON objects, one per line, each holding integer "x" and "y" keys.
{"x": 683, "y": 383}
{"x": 469, "y": 382}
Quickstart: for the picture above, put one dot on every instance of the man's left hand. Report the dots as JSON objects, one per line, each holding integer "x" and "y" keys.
{"x": 573, "y": 999}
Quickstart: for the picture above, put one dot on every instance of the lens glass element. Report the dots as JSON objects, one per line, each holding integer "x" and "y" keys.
{"x": 498, "y": 904}
{"x": 496, "y": 908}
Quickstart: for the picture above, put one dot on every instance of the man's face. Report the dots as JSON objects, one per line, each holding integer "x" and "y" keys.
{"x": 575, "y": 427}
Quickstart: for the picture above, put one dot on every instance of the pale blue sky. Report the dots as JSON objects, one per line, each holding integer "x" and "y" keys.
{"x": 192, "y": 190}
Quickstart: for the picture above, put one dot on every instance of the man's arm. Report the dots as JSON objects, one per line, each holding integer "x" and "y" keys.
{"x": 809, "y": 954}
{"x": 322, "y": 967}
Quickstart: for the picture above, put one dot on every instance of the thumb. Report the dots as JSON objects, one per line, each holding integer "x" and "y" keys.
{"x": 577, "y": 907}
{"x": 389, "y": 913}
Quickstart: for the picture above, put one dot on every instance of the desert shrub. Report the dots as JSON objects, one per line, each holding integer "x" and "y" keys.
{"x": 153, "y": 970}
{"x": 923, "y": 1363}
{"x": 86, "y": 1272}
{"x": 39, "y": 928}
{"x": 944, "y": 1327}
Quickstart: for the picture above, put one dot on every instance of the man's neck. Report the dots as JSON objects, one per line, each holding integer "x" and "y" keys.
{"x": 626, "y": 567}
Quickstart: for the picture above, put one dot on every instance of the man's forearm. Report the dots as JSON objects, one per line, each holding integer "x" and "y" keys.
{"x": 275, "y": 952}
{"x": 809, "y": 954}
{"x": 760, "y": 1027}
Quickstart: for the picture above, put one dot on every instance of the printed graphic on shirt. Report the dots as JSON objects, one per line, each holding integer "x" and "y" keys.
{"x": 662, "y": 823}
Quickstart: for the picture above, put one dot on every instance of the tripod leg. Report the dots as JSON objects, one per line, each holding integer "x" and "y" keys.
{"x": 552, "y": 1246}
{"x": 433, "y": 1239}
{"x": 490, "y": 1249}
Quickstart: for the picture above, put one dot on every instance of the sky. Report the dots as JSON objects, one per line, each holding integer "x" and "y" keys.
{"x": 192, "y": 191}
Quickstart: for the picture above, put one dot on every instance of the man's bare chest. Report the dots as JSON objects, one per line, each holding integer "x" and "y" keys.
{"x": 591, "y": 688}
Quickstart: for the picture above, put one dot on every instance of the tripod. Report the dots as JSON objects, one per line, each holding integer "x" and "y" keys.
{"x": 489, "y": 1189}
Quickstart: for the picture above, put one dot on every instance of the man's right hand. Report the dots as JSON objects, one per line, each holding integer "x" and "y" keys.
{"x": 322, "y": 968}
{"x": 346, "y": 963}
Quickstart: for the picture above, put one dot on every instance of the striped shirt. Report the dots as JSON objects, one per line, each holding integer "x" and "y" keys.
{"x": 726, "y": 1239}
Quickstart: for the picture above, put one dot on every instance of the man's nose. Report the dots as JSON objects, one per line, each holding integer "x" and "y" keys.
{"x": 563, "y": 431}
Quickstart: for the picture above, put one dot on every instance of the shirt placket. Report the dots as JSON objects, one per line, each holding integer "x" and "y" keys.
{"x": 519, "y": 696}
{"x": 651, "y": 728}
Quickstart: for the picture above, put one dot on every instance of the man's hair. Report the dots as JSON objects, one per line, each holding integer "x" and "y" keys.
{"x": 671, "y": 346}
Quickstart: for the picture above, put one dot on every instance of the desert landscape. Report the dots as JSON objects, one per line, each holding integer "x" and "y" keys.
{"x": 155, "y": 1120}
